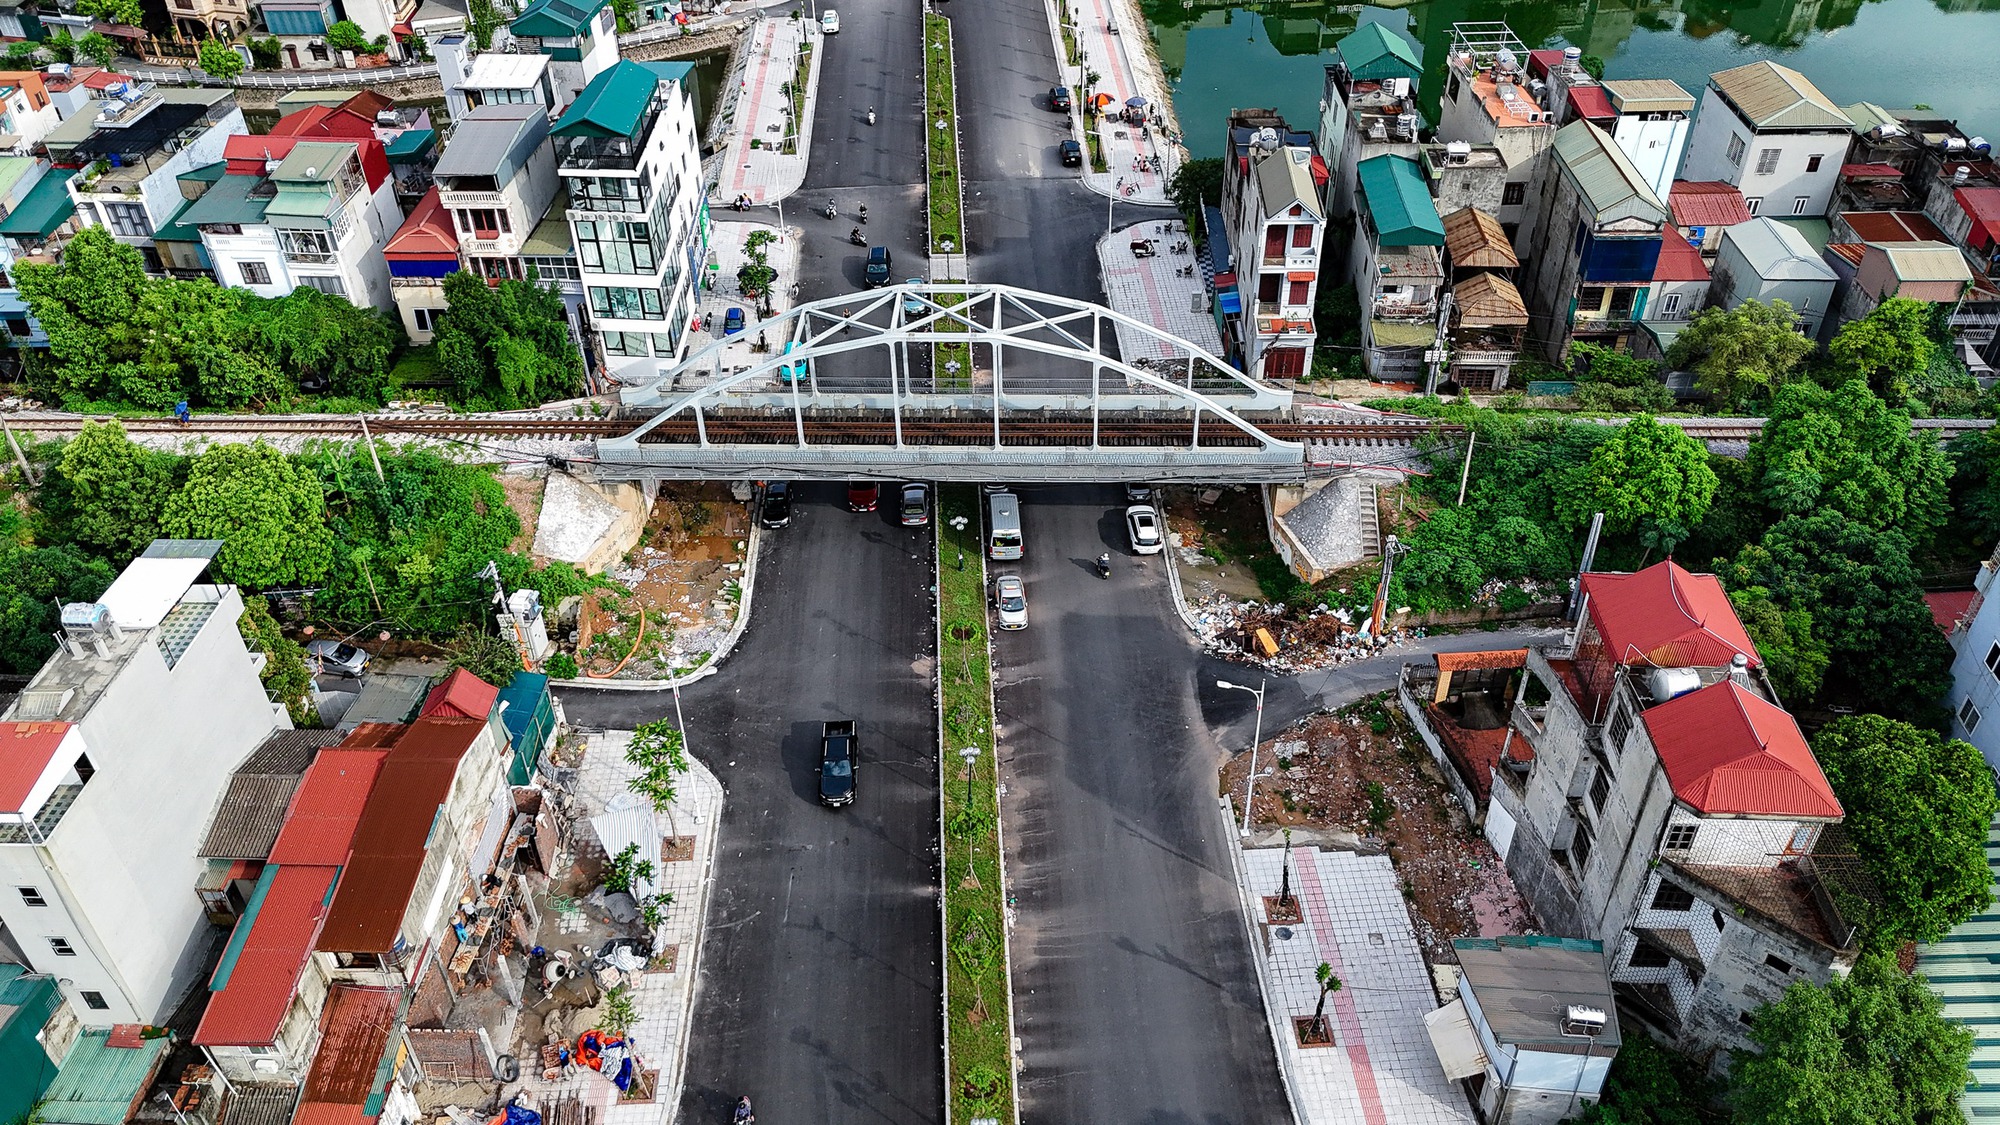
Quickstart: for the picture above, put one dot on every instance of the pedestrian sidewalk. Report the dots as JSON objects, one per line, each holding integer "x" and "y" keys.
{"x": 663, "y": 994}
{"x": 1380, "y": 1067}
{"x": 1126, "y": 69}
{"x": 1151, "y": 290}
{"x": 756, "y": 162}
{"x": 720, "y": 293}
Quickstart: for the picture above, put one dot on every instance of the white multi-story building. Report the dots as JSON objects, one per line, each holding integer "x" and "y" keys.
{"x": 114, "y": 752}
{"x": 1651, "y": 124}
{"x": 1769, "y": 131}
{"x": 1271, "y": 183}
{"x": 579, "y": 38}
{"x": 1975, "y": 672}
{"x": 627, "y": 151}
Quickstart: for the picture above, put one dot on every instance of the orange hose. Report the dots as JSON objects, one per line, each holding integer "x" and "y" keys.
{"x": 628, "y": 656}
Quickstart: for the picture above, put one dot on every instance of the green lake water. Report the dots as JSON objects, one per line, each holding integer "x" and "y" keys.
{"x": 1896, "y": 53}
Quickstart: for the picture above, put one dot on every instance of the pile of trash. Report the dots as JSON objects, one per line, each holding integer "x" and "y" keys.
{"x": 1525, "y": 591}
{"x": 1275, "y": 636}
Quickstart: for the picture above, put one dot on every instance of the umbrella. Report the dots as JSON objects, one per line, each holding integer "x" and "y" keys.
{"x": 1101, "y": 100}
{"x": 1136, "y": 103}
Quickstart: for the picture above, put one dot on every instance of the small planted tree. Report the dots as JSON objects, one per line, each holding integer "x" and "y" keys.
{"x": 661, "y": 755}
{"x": 219, "y": 60}
{"x": 1327, "y": 983}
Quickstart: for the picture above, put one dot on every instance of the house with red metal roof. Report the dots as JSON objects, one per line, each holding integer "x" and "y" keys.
{"x": 1648, "y": 790}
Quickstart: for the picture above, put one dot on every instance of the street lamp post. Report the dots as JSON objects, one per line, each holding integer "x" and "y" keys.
{"x": 958, "y": 538}
{"x": 1250, "y": 782}
{"x": 971, "y": 755}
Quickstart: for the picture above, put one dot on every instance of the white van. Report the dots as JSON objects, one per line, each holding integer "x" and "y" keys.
{"x": 1003, "y": 526}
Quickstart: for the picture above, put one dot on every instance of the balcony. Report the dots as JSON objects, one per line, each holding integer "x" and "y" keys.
{"x": 37, "y": 831}
{"x": 457, "y": 199}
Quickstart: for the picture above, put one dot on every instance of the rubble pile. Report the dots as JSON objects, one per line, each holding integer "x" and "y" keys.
{"x": 1310, "y": 639}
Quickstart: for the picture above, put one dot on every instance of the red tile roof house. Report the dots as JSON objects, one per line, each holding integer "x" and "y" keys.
{"x": 380, "y": 834}
{"x": 1667, "y": 805}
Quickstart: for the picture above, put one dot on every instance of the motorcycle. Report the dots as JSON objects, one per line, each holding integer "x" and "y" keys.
{"x": 871, "y": 115}
{"x": 856, "y": 238}
{"x": 1104, "y": 565}
{"x": 863, "y": 212}
{"x": 744, "y": 1115}
{"x": 831, "y": 210}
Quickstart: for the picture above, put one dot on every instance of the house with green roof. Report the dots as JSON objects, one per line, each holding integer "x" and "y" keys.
{"x": 580, "y": 38}
{"x": 1596, "y": 225}
{"x": 30, "y": 1048}
{"x": 1398, "y": 268}
{"x": 38, "y": 211}
{"x": 1370, "y": 107}
{"x": 627, "y": 150}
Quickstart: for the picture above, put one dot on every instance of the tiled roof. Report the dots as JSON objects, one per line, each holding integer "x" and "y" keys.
{"x": 1487, "y": 300}
{"x": 354, "y": 1035}
{"x": 26, "y": 749}
{"x": 252, "y": 809}
{"x": 327, "y": 808}
{"x": 1729, "y": 751}
{"x": 260, "y": 968}
{"x": 1665, "y": 616}
{"x": 1778, "y": 97}
{"x": 389, "y": 844}
{"x": 1948, "y": 607}
{"x": 427, "y": 233}
{"x": 1678, "y": 260}
{"x": 462, "y": 695}
{"x": 1707, "y": 203}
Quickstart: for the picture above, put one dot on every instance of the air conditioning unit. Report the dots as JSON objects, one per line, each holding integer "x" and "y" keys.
{"x": 1583, "y": 1021}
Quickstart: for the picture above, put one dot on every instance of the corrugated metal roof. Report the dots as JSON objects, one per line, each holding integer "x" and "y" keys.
{"x": 1284, "y": 180}
{"x": 1399, "y": 203}
{"x": 1649, "y": 95}
{"x": 1679, "y": 261}
{"x": 327, "y": 809}
{"x": 1524, "y": 984}
{"x": 1892, "y": 226}
{"x": 494, "y": 140}
{"x": 498, "y": 70}
{"x": 1777, "y": 252}
{"x": 1373, "y": 52}
{"x": 1401, "y": 334}
{"x": 354, "y": 1037}
{"x": 551, "y": 236}
{"x": 386, "y": 698}
{"x": 1924, "y": 261}
{"x": 100, "y": 1084}
{"x": 615, "y": 102}
{"x": 389, "y": 843}
{"x": 1707, "y": 203}
{"x": 556, "y": 18}
{"x": 1487, "y": 300}
{"x": 260, "y": 1105}
{"x": 1592, "y": 102}
{"x": 1778, "y": 97}
{"x": 46, "y": 206}
{"x": 1472, "y": 661}
{"x": 1729, "y": 751}
{"x": 1666, "y": 616}
{"x": 26, "y": 749}
{"x": 1605, "y": 175}
{"x": 462, "y": 695}
{"x": 426, "y": 234}
{"x": 1475, "y": 240}
{"x": 1964, "y": 971}
{"x": 252, "y": 809}
{"x": 249, "y": 1004}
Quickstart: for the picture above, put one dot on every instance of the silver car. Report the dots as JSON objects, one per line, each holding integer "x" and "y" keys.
{"x": 1142, "y": 523}
{"x": 1010, "y": 602}
{"x": 338, "y": 657}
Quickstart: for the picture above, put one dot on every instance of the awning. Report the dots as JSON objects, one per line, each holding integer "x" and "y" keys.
{"x": 47, "y": 206}
{"x": 1870, "y": 172}
{"x": 628, "y": 819}
{"x": 1456, "y": 1044}
{"x": 1230, "y": 301}
{"x": 1300, "y": 275}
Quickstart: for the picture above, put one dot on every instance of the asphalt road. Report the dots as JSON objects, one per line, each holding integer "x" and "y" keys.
{"x": 819, "y": 981}
{"x": 1135, "y": 995}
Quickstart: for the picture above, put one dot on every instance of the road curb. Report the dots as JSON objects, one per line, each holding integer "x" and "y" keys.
{"x": 735, "y": 634}
{"x": 1243, "y": 898}
{"x": 701, "y": 938}
{"x": 1180, "y": 598}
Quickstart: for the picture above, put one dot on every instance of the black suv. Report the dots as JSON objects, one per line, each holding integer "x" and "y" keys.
{"x": 879, "y": 265}
{"x": 777, "y": 503}
{"x": 838, "y": 756}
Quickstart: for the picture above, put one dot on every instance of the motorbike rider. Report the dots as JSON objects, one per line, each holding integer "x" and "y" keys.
{"x": 831, "y": 210}
{"x": 744, "y": 1115}
{"x": 1104, "y": 563}
{"x": 863, "y": 211}
{"x": 854, "y": 236}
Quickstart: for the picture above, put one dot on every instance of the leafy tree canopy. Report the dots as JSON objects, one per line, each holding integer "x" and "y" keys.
{"x": 1870, "y": 1048}
{"x": 346, "y": 35}
{"x": 33, "y": 582}
{"x": 1862, "y": 591}
{"x": 1195, "y": 183}
{"x": 1918, "y": 807}
{"x": 506, "y": 346}
{"x": 1650, "y": 1085}
{"x": 267, "y": 510}
{"x": 285, "y": 674}
{"x": 1614, "y": 381}
{"x": 1742, "y": 352}
{"x": 1843, "y": 450}
{"x": 1649, "y": 480}
{"x": 1891, "y": 348}
{"x": 128, "y": 12}
{"x": 1795, "y": 658}
{"x": 98, "y": 48}
{"x": 217, "y": 59}
{"x": 491, "y": 658}
{"x": 107, "y": 492}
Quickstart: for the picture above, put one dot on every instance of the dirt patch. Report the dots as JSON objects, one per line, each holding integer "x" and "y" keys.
{"x": 682, "y": 586}
{"x": 524, "y": 495}
{"x": 1364, "y": 772}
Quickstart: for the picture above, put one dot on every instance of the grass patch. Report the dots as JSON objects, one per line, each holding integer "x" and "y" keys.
{"x": 944, "y": 375}
{"x": 1097, "y": 163}
{"x": 981, "y": 1082}
{"x": 797, "y": 91}
{"x": 1070, "y": 50}
{"x": 941, "y": 147}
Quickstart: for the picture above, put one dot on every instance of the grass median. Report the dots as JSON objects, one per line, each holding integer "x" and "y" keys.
{"x": 941, "y": 131}
{"x": 981, "y": 1078}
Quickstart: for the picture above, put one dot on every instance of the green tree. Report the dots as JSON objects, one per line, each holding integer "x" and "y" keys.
{"x": 285, "y": 674}
{"x": 22, "y": 52}
{"x": 98, "y": 48}
{"x": 219, "y": 60}
{"x": 1195, "y": 183}
{"x": 491, "y": 658}
{"x": 323, "y": 338}
{"x": 1742, "y": 352}
{"x": 1649, "y": 480}
{"x": 506, "y": 346}
{"x": 1872, "y": 1047}
{"x": 1795, "y": 658}
{"x": 659, "y": 751}
{"x": 1918, "y": 806}
{"x": 1891, "y": 348}
{"x": 34, "y": 582}
{"x": 1843, "y": 450}
{"x": 60, "y": 47}
{"x": 127, "y": 12}
{"x": 267, "y": 510}
{"x": 1863, "y": 592}
{"x": 346, "y": 35}
{"x": 1651, "y": 1085}
{"x": 112, "y": 491}
{"x": 269, "y": 53}
{"x": 1975, "y": 486}
{"x": 1613, "y": 381}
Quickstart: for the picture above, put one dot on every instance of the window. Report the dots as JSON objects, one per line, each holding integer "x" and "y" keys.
{"x": 1680, "y": 838}
{"x": 32, "y": 896}
{"x": 1767, "y": 161}
{"x": 1813, "y": 161}
{"x": 426, "y": 320}
{"x": 1514, "y": 194}
{"x": 663, "y": 345}
{"x": 94, "y": 1001}
{"x": 255, "y": 273}
{"x": 626, "y": 344}
{"x": 1302, "y": 236}
{"x": 1716, "y": 917}
{"x": 483, "y": 222}
{"x": 1670, "y": 304}
{"x": 331, "y": 286}
{"x": 19, "y": 326}
{"x": 1800, "y": 203}
{"x": 1752, "y": 203}
{"x": 84, "y": 770}
{"x": 1777, "y": 962}
{"x": 315, "y": 246}
{"x": 1672, "y": 896}
{"x": 1735, "y": 154}
{"x": 62, "y": 947}
{"x": 1803, "y": 839}
{"x": 1746, "y": 1019}
{"x": 1298, "y": 291}
{"x": 606, "y": 246}
{"x": 1968, "y": 717}
{"x": 1621, "y": 725}
{"x": 128, "y": 219}
{"x": 1646, "y": 955}
{"x": 1600, "y": 790}
{"x": 1579, "y": 848}
{"x": 1451, "y": 89}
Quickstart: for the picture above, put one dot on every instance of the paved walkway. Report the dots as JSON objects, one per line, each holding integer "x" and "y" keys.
{"x": 1150, "y": 289}
{"x": 663, "y": 998}
{"x": 723, "y": 293}
{"x": 767, "y": 172}
{"x": 1125, "y": 69}
{"x": 1381, "y": 1067}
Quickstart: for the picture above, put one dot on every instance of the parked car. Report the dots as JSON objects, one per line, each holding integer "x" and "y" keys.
{"x": 913, "y": 305}
{"x": 732, "y": 322}
{"x": 862, "y": 495}
{"x": 777, "y": 504}
{"x": 1072, "y": 154}
{"x": 877, "y": 270}
{"x": 338, "y": 657}
{"x": 1010, "y": 602}
{"x": 1059, "y": 99}
{"x": 916, "y": 508}
{"x": 829, "y": 22}
{"x": 791, "y": 371}
{"x": 1138, "y": 492}
{"x": 1143, "y": 524}
{"x": 838, "y": 755}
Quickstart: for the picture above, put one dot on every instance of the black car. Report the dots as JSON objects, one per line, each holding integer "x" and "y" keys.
{"x": 1072, "y": 154}
{"x": 1059, "y": 99}
{"x": 777, "y": 504}
{"x": 838, "y": 755}
{"x": 879, "y": 265}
